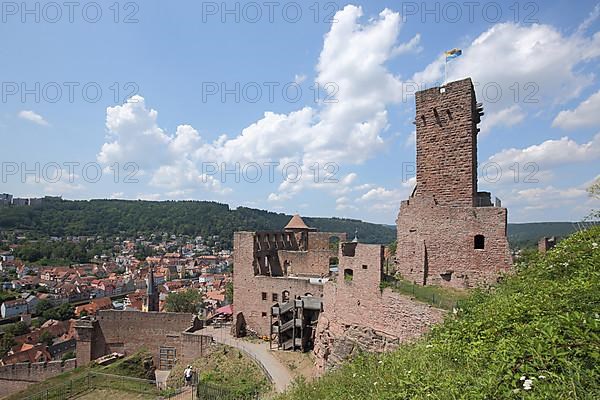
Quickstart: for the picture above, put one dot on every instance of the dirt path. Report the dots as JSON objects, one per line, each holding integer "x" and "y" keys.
{"x": 277, "y": 372}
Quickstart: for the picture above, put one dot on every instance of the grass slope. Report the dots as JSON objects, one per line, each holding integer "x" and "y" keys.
{"x": 135, "y": 366}
{"x": 227, "y": 368}
{"x": 534, "y": 336}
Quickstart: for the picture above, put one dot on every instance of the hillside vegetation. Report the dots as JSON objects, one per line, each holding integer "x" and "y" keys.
{"x": 226, "y": 368}
{"x": 129, "y": 218}
{"x": 138, "y": 365}
{"x": 534, "y": 336}
{"x": 528, "y": 234}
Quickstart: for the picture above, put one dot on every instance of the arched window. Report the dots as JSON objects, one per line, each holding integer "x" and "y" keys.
{"x": 348, "y": 274}
{"x": 285, "y": 296}
{"x": 479, "y": 242}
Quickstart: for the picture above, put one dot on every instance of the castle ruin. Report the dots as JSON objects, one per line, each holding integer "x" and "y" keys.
{"x": 450, "y": 234}
{"x": 313, "y": 290}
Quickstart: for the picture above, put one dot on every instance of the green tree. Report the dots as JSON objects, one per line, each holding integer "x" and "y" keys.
{"x": 43, "y": 306}
{"x": 46, "y": 338}
{"x": 61, "y": 313}
{"x": 229, "y": 292}
{"x": 6, "y": 343}
{"x": 68, "y": 356}
{"x": 17, "y": 329}
{"x": 189, "y": 301}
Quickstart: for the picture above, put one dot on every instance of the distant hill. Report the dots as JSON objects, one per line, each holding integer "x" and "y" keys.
{"x": 129, "y": 218}
{"x": 528, "y": 234}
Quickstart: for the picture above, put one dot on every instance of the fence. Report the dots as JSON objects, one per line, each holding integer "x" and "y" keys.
{"x": 207, "y": 391}
{"x": 95, "y": 380}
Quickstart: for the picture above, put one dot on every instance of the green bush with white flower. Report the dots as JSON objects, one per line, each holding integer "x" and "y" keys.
{"x": 536, "y": 335}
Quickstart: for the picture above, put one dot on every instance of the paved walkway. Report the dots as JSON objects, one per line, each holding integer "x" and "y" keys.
{"x": 186, "y": 394}
{"x": 161, "y": 378}
{"x": 279, "y": 374}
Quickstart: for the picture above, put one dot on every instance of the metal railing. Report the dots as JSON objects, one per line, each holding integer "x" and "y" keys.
{"x": 208, "y": 391}
{"x": 95, "y": 380}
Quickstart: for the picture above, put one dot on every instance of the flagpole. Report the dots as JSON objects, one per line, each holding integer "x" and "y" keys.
{"x": 445, "y": 71}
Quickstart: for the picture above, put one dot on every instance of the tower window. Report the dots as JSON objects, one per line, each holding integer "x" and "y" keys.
{"x": 479, "y": 242}
{"x": 348, "y": 274}
{"x": 275, "y": 296}
{"x": 264, "y": 296}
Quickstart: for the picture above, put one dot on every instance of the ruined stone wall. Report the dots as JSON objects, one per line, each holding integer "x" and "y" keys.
{"x": 17, "y": 377}
{"x": 314, "y": 263}
{"x": 90, "y": 341}
{"x": 320, "y": 240}
{"x": 193, "y": 346}
{"x": 130, "y": 331}
{"x": 446, "y": 129}
{"x": 248, "y": 289}
{"x": 436, "y": 244}
{"x": 358, "y": 315}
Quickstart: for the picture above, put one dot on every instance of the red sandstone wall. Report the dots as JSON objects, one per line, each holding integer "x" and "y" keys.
{"x": 441, "y": 239}
{"x": 193, "y": 346}
{"x": 129, "y": 331}
{"x": 447, "y": 143}
{"x": 248, "y": 288}
{"x": 314, "y": 263}
{"x": 17, "y": 377}
{"x": 436, "y": 227}
{"x": 357, "y": 315}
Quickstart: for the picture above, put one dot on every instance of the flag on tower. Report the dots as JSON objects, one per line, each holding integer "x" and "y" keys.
{"x": 450, "y": 54}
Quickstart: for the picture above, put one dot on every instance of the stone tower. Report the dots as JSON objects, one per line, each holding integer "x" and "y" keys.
{"x": 446, "y": 125}
{"x": 151, "y": 299}
{"x": 448, "y": 232}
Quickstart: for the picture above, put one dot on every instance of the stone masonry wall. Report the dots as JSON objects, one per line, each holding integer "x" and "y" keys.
{"x": 17, "y": 377}
{"x": 446, "y": 125}
{"x": 249, "y": 288}
{"x": 358, "y": 315}
{"x": 436, "y": 244}
{"x": 130, "y": 331}
{"x": 437, "y": 227}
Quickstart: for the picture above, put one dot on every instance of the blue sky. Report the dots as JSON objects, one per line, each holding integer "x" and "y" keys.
{"x": 180, "y": 101}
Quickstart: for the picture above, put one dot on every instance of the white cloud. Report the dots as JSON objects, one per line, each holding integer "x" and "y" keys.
{"x": 592, "y": 17}
{"x": 585, "y": 115}
{"x": 506, "y": 117}
{"x": 33, "y": 117}
{"x": 135, "y": 135}
{"x": 380, "y": 199}
{"x": 53, "y": 182}
{"x": 345, "y": 132}
{"x": 533, "y": 66}
{"x": 411, "y": 139}
{"x": 299, "y": 78}
{"x": 550, "y": 153}
{"x": 149, "y": 196}
{"x": 412, "y": 46}
{"x": 549, "y": 197}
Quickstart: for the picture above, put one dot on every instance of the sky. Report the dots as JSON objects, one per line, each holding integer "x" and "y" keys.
{"x": 297, "y": 107}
